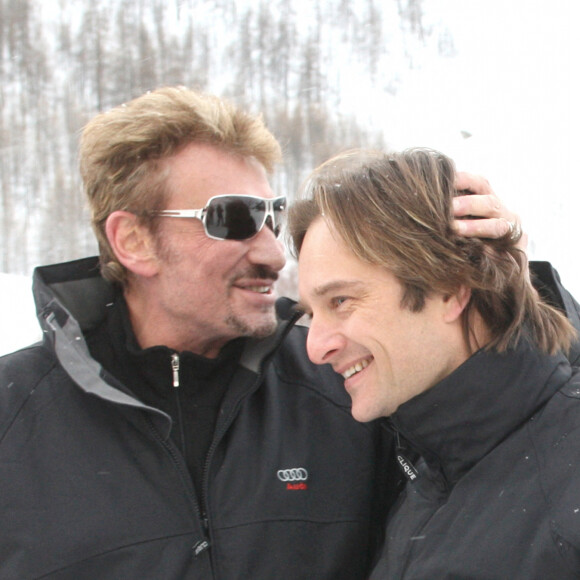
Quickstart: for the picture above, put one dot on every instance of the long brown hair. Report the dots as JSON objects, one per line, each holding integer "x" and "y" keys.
{"x": 394, "y": 210}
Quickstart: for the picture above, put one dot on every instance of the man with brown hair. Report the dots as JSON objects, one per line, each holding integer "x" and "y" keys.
{"x": 171, "y": 426}
{"x": 446, "y": 337}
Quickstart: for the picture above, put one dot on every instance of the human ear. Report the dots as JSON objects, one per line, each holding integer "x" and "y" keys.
{"x": 454, "y": 304}
{"x": 132, "y": 243}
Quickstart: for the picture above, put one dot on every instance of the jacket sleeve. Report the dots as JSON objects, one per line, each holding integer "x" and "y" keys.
{"x": 547, "y": 282}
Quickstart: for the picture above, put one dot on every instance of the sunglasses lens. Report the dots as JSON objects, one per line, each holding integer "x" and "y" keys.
{"x": 234, "y": 217}
{"x": 238, "y": 217}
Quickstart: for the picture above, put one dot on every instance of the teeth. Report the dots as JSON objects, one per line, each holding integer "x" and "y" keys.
{"x": 260, "y": 289}
{"x": 359, "y": 366}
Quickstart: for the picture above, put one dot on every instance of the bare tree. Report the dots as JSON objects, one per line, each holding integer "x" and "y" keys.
{"x": 281, "y": 57}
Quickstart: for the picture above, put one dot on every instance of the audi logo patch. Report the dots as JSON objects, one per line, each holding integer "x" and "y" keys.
{"x": 294, "y": 474}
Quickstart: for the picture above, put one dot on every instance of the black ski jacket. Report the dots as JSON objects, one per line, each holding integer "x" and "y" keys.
{"x": 92, "y": 487}
{"x": 496, "y": 492}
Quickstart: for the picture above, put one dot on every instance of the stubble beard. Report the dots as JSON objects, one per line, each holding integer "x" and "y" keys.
{"x": 267, "y": 322}
{"x": 244, "y": 328}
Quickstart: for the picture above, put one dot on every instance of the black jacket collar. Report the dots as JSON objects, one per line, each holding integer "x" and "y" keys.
{"x": 72, "y": 301}
{"x": 459, "y": 420}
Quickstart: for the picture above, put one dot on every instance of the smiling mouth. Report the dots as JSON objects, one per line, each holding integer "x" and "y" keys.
{"x": 255, "y": 288}
{"x": 356, "y": 368}
{"x": 259, "y": 289}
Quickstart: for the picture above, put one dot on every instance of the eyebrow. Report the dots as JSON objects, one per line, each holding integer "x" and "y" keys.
{"x": 329, "y": 287}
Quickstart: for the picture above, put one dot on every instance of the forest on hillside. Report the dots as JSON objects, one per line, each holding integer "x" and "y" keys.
{"x": 63, "y": 61}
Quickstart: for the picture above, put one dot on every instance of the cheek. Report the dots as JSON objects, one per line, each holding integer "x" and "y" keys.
{"x": 185, "y": 272}
{"x": 396, "y": 351}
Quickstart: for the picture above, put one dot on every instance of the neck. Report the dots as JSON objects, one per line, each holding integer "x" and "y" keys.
{"x": 477, "y": 333}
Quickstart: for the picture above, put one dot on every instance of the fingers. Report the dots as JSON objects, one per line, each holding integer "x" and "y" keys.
{"x": 491, "y": 219}
{"x": 481, "y": 201}
{"x": 492, "y": 228}
{"x": 474, "y": 183}
{"x": 483, "y": 228}
{"x": 481, "y": 206}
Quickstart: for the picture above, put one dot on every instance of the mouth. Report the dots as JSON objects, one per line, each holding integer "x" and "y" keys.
{"x": 357, "y": 368}
{"x": 259, "y": 289}
{"x": 256, "y": 288}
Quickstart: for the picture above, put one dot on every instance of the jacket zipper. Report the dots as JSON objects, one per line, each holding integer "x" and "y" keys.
{"x": 175, "y": 365}
{"x": 175, "y": 369}
{"x": 405, "y": 464}
{"x": 203, "y": 544}
{"x": 411, "y": 476}
{"x": 175, "y": 362}
{"x": 178, "y": 461}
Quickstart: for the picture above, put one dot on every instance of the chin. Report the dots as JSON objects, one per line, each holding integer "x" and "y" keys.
{"x": 265, "y": 330}
{"x": 259, "y": 326}
{"x": 259, "y": 329}
{"x": 364, "y": 413}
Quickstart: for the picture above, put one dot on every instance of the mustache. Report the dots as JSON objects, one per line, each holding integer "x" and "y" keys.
{"x": 259, "y": 272}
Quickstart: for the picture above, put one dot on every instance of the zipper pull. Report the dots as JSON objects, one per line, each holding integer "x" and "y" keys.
{"x": 200, "y": 547}
{"x": 175, "y": 368}
{"x": 407, "y": 467}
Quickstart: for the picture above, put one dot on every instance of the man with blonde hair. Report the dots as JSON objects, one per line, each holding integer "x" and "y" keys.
{"x": 171, "y": 426}
{"x": 444, "y": 338}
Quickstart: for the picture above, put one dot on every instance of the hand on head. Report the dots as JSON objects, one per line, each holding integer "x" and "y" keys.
{"x": 492, "y": 218}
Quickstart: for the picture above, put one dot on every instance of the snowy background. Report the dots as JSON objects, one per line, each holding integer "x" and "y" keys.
{"x": 19, "y": 324}
{"x": 505, "y": 105}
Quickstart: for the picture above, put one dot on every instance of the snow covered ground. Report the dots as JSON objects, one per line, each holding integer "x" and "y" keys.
{"x": 19, "y": 324}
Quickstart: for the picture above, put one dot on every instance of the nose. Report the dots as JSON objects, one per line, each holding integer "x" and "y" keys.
{"x": 323, "y": 342}
{"x": 267, "y": 250}
{"x": 269, "y": 223}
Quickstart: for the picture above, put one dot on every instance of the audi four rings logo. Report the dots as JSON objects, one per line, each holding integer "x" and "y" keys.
{"x": 294, "y": 474}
